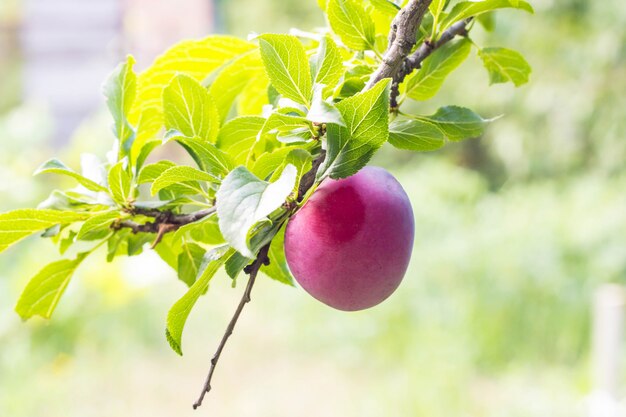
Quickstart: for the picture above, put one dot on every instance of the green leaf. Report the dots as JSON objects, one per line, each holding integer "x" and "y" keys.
{"x": 349, "y": 20}
{"x": 287, "y": 127}
{"x": 205, "y": 230}
{"x": 303, "y": 162}
{"x": 151, "y": 172}
{"x": 119, "y": 183}
{"x": 44, "y": 290}
{"x": 269, "y": 162}
{"x": 457, "y": 123}
{"x": 436, "y": 7}
{"x": 286, "y": 64}
{"x": 54, "y": 166}
{"x": 117, "y": 244}
{"x": 322, "y": 111}
{"x": 17, "y": 224}
{"x": 239, "y": 136}
{"x": 177, "y": 316}
{"x": 234, "y": 79}
{"x": 189, "y": 262}
{"x": 415, "y": 135}
{"x": 255, "y": 96}
{"x": 120, "y": 90}
{"x": 195, "y": 58}
{"x": 243, "y": 201}
{"x": 97, "y": 227}
{"x": 427, "y": 81}
{"x": 278, "y": 269}
{"x": 505, "y": 65}
{"x": 207, "y": 156}
{"x": 189, "y": 109}
{"x": 235, "y": 265}
{"x": 327, "y": 64}
{"x": 387, "y": 7}
{"x": 351, "y": 147}
{"x": 181, "y": 174}
{"x": 487, "y": 21}
{"x": 465, "y": 9}
{"x": 136, "y": 242}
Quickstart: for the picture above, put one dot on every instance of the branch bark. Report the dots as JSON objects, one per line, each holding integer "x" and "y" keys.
{"x": 164, "y": 221}
{"x": 402, "y": 39}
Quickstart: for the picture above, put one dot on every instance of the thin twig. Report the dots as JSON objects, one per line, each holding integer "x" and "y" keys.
{"x": 252, "y": 270}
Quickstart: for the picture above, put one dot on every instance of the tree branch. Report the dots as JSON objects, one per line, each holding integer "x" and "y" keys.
{"x": 252, "y": 270}
{"x": 164, "y": 221}
{"x": 402, "y": 38}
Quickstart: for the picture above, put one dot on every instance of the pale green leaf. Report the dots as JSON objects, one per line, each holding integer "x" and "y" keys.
{"x": 189, "y": 262}
{"x": 505, "y": 65}
{"x": 238, "y": 137}
{"x": 234, "y": 79}
{"x": 349, "y": 20}
{"x": 205, "y": 230}
{"x": 54, "y": 166}
{"x": 180, "y": 174}
{"x": 327, "y": 64}
{"x": 322, "y": 111}
{"x": 350, "y": 148}
{"x": 195, "y": 58}
{"x": 415, "y": 135}
{"x": 387, "y": 7}
{"x": 44, "y": 290}
{"x": 98, "y": 226}
{"x": 287, "y": 66}
{"x": 235, "y": 265}
{"x": 254, "y": 97}
{"x": 119, "y": 183}
{"x": 269, "y": 162}
{"x": 457, "y": 123}
{"x": 189, "y": 109}
{"x": 299, "y": 158}
{"x": 427, "y": 81}
{"x": 466, "y": 9}
{"x": 18, "y": 224}
{"x": 436, "y": 7}
{"x": 208, "y": 157}
{"x": 120, "y": 90}
{"x": 278, "y": 269}
{"x": 283, "y": 124}
{"x": 151, "y": 172}
{"x": 243, "y": 200}
{"x": 177, "y": 316}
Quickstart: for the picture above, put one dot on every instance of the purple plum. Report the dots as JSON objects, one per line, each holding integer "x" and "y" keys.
{"x": 350, "y": 244}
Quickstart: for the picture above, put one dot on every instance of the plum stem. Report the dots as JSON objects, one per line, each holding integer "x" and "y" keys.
{"x": 252, "y": 270}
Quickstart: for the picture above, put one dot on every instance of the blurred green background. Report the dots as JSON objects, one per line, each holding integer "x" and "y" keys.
{"x": 514, "y": 232}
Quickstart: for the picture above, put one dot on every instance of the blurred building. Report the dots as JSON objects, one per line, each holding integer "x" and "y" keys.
{"x": 69, "y": 46}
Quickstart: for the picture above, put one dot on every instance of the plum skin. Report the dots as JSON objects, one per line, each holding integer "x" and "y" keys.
{"x": 350, "y": 244}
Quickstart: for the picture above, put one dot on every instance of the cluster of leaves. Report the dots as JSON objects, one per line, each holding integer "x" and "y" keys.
{"x": 253, "y": 116}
